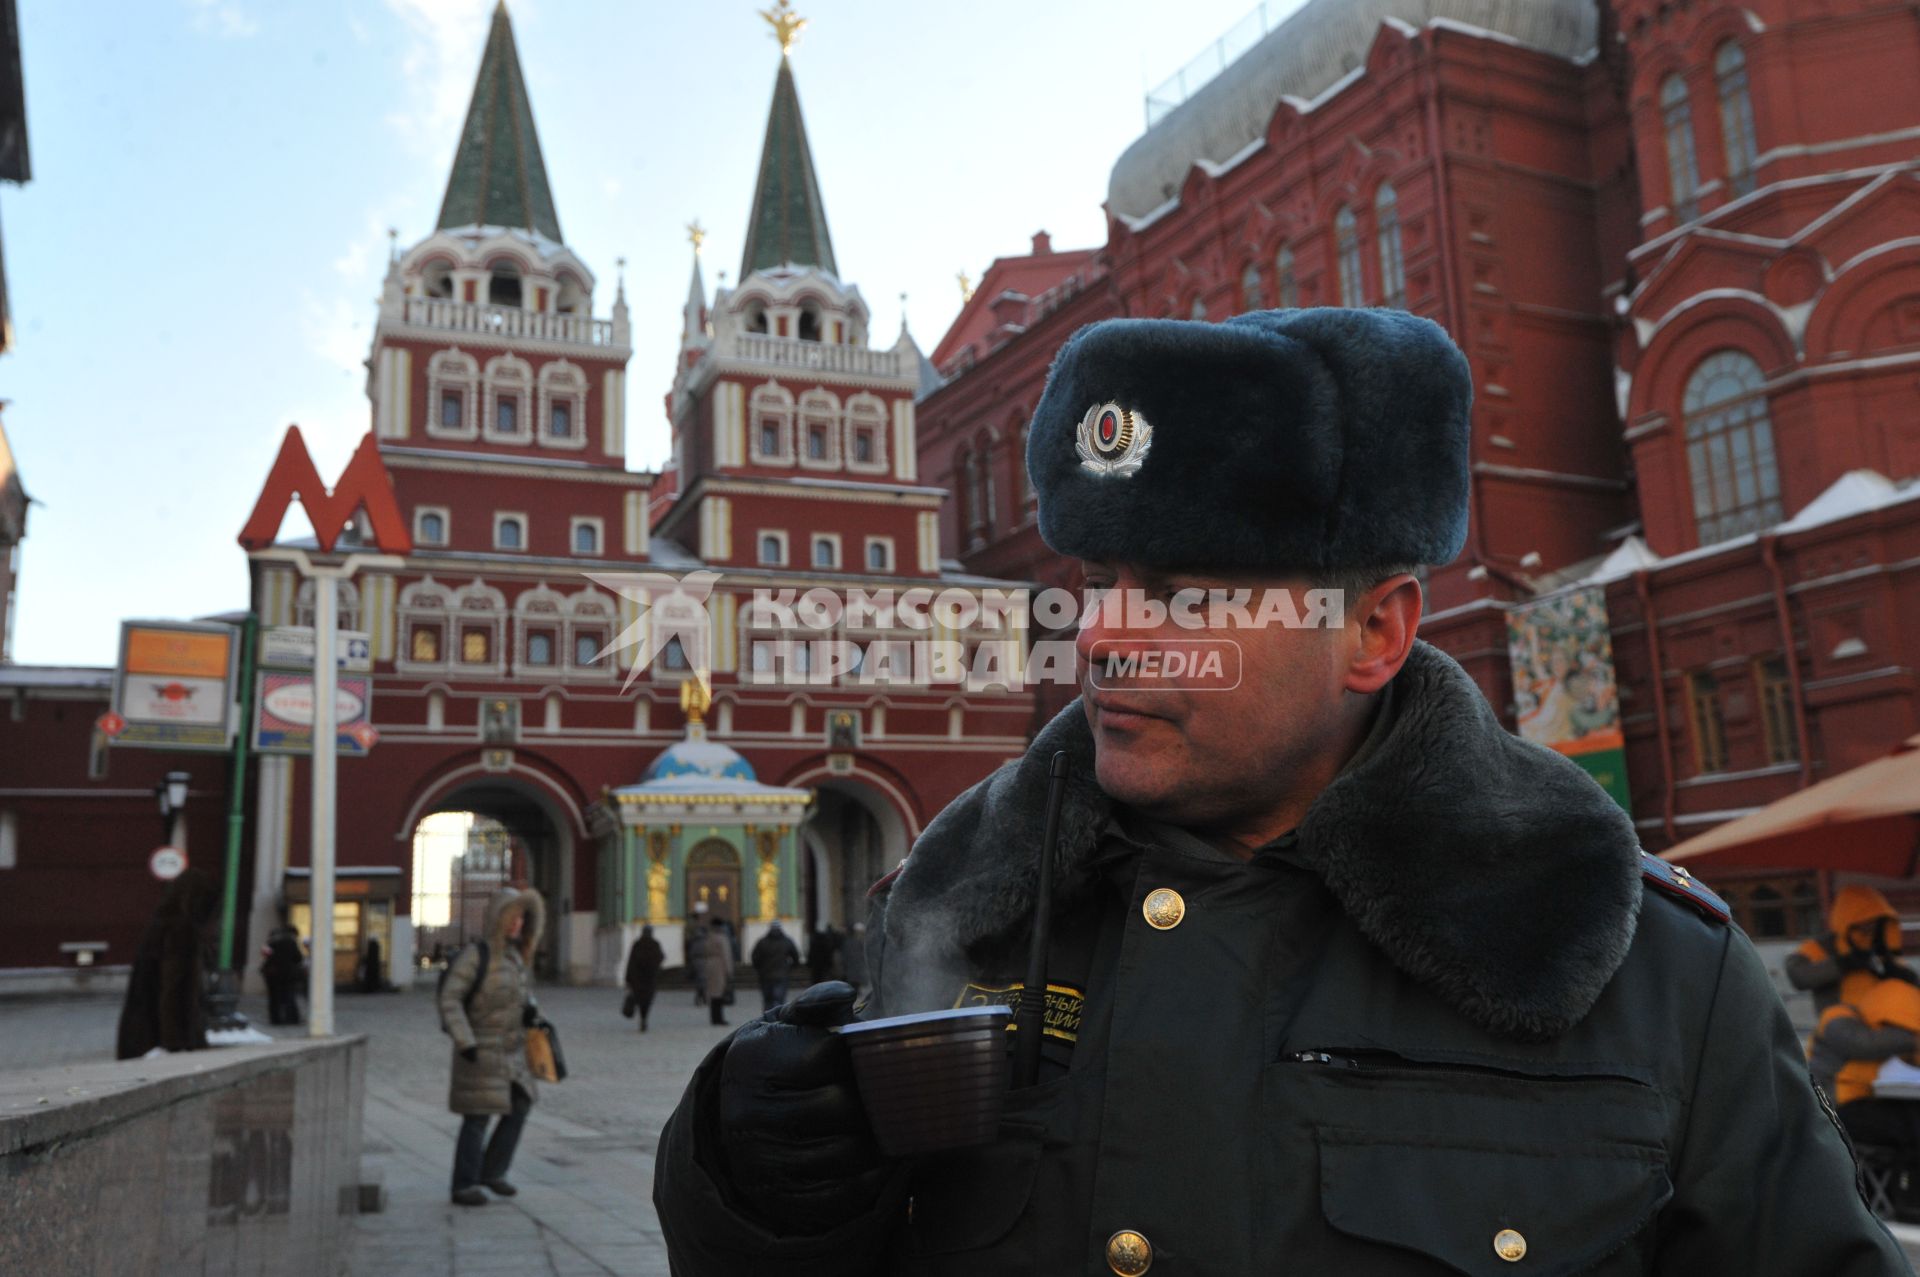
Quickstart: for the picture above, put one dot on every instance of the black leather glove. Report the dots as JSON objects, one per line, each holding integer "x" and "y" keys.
{"x": 529, "y": 1016}
{"x": 1855, "y": 960}
{"x": 798, "y": 1148}
{"x": 470, "y": 1054}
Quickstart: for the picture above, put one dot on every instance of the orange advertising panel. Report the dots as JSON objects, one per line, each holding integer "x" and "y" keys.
{"x": 177, "y": 652}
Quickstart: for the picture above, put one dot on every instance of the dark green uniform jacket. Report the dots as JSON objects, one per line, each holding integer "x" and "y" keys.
{"x": 1443, "y": 1012}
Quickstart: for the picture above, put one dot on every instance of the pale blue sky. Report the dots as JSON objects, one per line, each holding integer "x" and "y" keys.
{"x": 195, "y": 263}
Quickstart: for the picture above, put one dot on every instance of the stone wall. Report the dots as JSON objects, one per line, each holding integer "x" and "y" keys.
{"x": 237, "y": 1160}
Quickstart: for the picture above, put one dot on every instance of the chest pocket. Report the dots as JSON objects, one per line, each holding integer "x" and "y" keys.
{"x": 1480, "y": 1170}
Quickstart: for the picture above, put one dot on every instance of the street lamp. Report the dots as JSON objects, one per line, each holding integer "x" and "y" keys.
{"x": 171, "y": 794}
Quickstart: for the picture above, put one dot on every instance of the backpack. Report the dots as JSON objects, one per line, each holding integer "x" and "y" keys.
{"x": 466, "y": 1003}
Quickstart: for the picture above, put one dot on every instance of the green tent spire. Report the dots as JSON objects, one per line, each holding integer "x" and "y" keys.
{"x": 498, "y": 177}
{"x": 788, "y": 225}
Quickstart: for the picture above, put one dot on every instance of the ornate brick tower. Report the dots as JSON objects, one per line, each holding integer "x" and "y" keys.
{"x": 793, "y": 437}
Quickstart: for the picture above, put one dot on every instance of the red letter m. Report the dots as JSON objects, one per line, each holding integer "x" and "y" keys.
{"x": 364, "y": 483}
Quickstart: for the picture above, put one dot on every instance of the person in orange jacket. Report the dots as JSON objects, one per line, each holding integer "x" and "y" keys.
{"x": 1860, "y": 949}
{"x": 1849, "y": 1047}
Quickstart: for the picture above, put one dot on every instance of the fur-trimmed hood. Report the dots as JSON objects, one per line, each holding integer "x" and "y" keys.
{"x": 500, "y": 911}
{"x": 1491, "y": 870}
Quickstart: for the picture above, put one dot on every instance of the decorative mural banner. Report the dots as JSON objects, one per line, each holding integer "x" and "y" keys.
{"x": 1565, "y": 694}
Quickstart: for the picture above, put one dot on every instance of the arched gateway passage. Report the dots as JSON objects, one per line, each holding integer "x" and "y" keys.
{"x": 472, "y": 842}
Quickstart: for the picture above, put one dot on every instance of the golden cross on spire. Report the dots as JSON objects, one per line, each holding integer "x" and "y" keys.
{"x": 696, "y": 234}
{"x": 787, "y": 25}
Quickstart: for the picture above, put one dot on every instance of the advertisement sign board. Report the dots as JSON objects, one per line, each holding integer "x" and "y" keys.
{"x": 283, "y": 716}
{"x": 1566, "y": 696}
{"x": 290, "y": 647}
{"x": 174, "y": 686}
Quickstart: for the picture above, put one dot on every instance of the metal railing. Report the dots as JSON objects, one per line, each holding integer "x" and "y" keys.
{"x": 506, "y": 321}
{"x": 791, "y": 352}
{"x": 1216, "y": 57}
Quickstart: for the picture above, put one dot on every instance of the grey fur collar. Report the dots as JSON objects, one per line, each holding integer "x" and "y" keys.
{"x": 1490, "y": 870}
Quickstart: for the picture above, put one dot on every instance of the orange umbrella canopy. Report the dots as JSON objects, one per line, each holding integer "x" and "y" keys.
{"x": 1866, "y": 820}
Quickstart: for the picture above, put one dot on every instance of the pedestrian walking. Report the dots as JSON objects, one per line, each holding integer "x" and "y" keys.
{"x": 486, "y": 1004}
{"x": 283, "y": 966}
{"x": 643, "y": 971}
{"x": 853, "y": 958}
{"x": 715, "y": 957}
{"x": 774, "y": 958}
{"x": 821, "y": 953}
{"x": 1340, "y": 976}
{"x": 373, "y": 973}
{"x": 165, "y": 1004}
{"x": 693, "y": 946}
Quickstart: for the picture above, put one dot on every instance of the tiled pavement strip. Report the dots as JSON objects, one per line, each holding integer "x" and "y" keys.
{"x": 585, "y": 1165}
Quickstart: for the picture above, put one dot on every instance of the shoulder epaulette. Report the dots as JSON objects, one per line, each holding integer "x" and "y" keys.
{"x": 1677, "y": 884}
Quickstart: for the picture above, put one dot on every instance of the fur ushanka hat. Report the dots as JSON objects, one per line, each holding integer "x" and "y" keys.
{"x": 1302, "y": 440}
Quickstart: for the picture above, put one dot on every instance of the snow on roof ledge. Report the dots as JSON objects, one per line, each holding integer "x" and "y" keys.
{"x": 1855, "y": 492}
{"x": 1631, "y": 555}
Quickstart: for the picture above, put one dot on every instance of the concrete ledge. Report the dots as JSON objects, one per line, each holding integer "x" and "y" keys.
{"x": 225, "y": 1161}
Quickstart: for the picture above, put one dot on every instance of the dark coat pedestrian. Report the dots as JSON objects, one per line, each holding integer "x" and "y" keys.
{"x": 643, "y": 973}
{"x": 853, "y": 957}
{"x": 693, "y": 946}
{"x": 822, "y": 952}
{"x": 283, "y": 968}
{"x": 486, "y": 1015}
{"x": 373, "y": 969}
{"x": 714, "y": 956}
{"x": 165, "y": 1004}
{"x": 774, "y": 958}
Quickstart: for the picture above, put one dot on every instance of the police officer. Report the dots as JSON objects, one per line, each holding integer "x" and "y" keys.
{"x": 1343, "y": 976}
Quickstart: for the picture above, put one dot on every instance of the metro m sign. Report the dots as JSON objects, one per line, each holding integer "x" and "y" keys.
{"x": 363, "y": 484}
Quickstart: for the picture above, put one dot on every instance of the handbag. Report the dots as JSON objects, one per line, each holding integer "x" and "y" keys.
{"x": 627, "y": 1006}
{"x": 544, "y": 1056}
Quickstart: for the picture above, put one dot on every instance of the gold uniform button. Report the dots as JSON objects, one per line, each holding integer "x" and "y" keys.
{"x": 1163, "y": 908}
{"x": 1509, "y": 1245}
{"x": 1128, "y": 1253}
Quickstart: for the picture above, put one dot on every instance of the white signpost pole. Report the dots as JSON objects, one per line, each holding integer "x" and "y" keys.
{"x": 326, "y": 583}
{"x": 326, "y": 758}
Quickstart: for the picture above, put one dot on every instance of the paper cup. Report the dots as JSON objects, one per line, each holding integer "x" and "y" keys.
{"x": 932, "y": 1081}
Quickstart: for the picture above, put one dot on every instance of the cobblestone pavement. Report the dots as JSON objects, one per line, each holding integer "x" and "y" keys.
{"x": 585, "y": 1163}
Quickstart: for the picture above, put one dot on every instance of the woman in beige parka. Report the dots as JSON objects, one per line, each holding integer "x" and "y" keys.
{"x": 490, "y": 1073}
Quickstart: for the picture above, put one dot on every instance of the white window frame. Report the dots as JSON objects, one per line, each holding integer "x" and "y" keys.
{"x": 814, "y": 543}
{"x": 508, "y": 376}
{"x": 786, "y": 549}
{"x": 453, "y": 369}
{"x": 561, "y": 382}
{"x": 420, "y": 514}
{"x": 776, "y": 401}
{"x": 599, "y": 526}
{"x": 590, "y": 613}
{"x": 500, "y": 517}
{"x": 866, "y": 411}
{"x": 490, "y": 614}
{"x": 885, "y": 544}
{"x": 818, "y": 407}
{"x": 412, "y": 612}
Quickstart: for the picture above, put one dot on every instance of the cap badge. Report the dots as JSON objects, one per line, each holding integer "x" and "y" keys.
{"x": 1113, "y": 440}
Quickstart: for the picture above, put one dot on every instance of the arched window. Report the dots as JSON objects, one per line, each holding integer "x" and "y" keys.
{"x": 433, "y": 529}
{"x": 1393, "y": 268}
{"x": 1283, "y": 270}
{"x": 1736, "y": 482}
{"x": 563, "y": 398}
{"x": 453, "y": 384}
{"x": 771, "y": 412}
{"x": 1346, "y": 230}
{"x": 980, "y": 488}
{"x": 509, "y": 532}
{"x": 773, "y": 549}
{"x": 509, "y": 383}
{"x": 819, "y": 430}
{"x": 503, "y": 286}
{"x": 1252, "y": 297}
{"x": 1683, "y": 171}
{"x": 1736, "y": 116}
{"x": 866, "y": 446}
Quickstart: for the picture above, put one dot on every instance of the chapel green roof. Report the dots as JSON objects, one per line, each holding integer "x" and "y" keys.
{"x": 788, "y": 225}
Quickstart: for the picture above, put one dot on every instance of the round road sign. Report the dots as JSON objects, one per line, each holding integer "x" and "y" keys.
{"x": 167, "y": 863}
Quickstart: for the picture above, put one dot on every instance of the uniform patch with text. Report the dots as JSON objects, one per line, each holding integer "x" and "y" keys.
{"x": 1062, "y": 1016}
